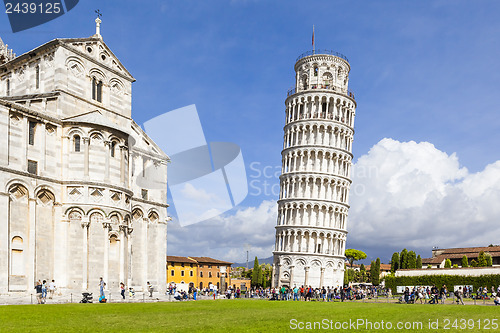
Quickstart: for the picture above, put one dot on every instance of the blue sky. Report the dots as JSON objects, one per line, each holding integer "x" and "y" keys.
{"x": 423, "y": 71}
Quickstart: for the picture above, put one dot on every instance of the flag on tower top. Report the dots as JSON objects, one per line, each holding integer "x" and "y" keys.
{"x": 313, "y": 38}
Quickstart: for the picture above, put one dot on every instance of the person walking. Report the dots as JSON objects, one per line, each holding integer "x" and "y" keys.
{"x": 38, "y": 288}
{"x": 122, "y": 290}
{"x": 443, "y": 292}
{"x": 150, "y": 289}
{"x": 295, "y": 293}
{"x": 101, "y": 287}
{"x": 44, "y": 291}
{"x": 459, "y": 294}
{"x": 52, "y": 288}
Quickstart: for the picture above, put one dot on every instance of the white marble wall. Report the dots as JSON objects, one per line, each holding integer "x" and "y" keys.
{"x": 75, "y": 219}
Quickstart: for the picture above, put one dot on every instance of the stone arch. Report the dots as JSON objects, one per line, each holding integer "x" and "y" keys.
{"x": 98, "y": 74}
{"x": 115, "y": 217}
{"x": 75, "y": 65}
{"x": 153, "y": 216}
{"x": 18, "y": 190}
{"x": 116, "y": 85}
{"x": 96, "y": 215}
{"x": 95, "y": 134}
{"x": 44, "y": 197}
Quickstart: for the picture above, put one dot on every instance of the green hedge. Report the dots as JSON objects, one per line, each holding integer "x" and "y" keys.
{"x": 449, "y": 280}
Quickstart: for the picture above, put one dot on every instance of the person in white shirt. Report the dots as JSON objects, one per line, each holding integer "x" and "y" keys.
{"x": 52, "y": 288}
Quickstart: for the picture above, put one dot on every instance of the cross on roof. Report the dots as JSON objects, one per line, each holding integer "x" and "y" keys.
{"x": 98, "y": 12}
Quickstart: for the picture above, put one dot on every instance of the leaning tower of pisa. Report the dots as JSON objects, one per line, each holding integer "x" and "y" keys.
{"x": 315, "y": 177}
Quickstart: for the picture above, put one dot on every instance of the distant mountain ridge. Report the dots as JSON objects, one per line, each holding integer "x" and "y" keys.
{"x": 250, "y": 262}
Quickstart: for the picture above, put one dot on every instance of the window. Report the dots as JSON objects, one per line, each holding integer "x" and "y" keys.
{"x": 201, "y": 266}
{"x": 182, "y": 273}
{"x": 99, "y": 91}
{"x": 172, "y": 272}
{"x": 17, "y": 258}
{"x": 190, "y": 265}
{"x": 8, "y": 87}
{"x": 201, "y": 274}
{"x": 182, "y": 265}
{"x": 172, "y": 264}
{"x": 209, "y": 274}
{"x": 32, "y": 167}
{"x": 315, "y": 71}
{"x": 191, "y": 273}
{"x": 37, "y": 77}
{"x": 218, "y": 275}
{"x": 96, "y": 90}
{"x": 113, "y": 145}
{"x": 76, "y": 142}
{"x": 144, "y": 194}
{"x": 31, "y": 132}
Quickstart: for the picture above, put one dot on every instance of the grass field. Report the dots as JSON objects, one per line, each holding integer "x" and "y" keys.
{"x": 242, "y": 316}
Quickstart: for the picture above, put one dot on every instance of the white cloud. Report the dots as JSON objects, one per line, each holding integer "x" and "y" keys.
{"x": 225, "y": 237}
{"x": 408, "y": 194}
{"x": 404, "y": 195}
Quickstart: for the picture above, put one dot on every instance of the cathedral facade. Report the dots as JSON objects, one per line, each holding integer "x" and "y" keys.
{"x": 315, "y": 180}
{"x": 82, "y": 188}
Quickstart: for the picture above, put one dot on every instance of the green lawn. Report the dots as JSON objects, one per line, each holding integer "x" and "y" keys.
{"x": 237, "y": 316}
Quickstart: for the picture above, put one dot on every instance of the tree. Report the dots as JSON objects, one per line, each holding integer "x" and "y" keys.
{"x": 255, "y": 273}
{"x": 473, "y": 263}
{"x": 489, "y": 259}
{"x": 375, "y": 272}
{"x": 349, "y": 275}
{"x": 403, "y": 259}
{"x": 354, "y": 255}
{"x": 419, "y": 262}
{"x": 465, "y": 261}
{"x": 363, "y": 274}
{"x": 481, "y": 260}
{"x": 447, "y": 263}
{"x": 412, "y": 260}
{"x": 394, "y": 262}
{"x": 260, "y": 278}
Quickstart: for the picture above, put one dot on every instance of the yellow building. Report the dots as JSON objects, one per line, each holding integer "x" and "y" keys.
{"x": 181, "y": 270}
{"x": 198, "y": 271}
{"x": 213, "y": 271}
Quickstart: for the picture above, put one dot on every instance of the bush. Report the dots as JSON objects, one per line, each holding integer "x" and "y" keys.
{"x": 449, "y": 280}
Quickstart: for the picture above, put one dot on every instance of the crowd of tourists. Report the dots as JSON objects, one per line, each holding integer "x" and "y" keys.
{"x": 435, "y": 295}
{"x": 42, "y": 288}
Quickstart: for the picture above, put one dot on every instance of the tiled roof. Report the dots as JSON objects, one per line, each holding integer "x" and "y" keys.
{"x": 208, "y": 260}
{"x": 383, "y": 267}
{"x": 180, "y": 259}
{"x": 458, "y": 253}
{"x": 465, "y": 250}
